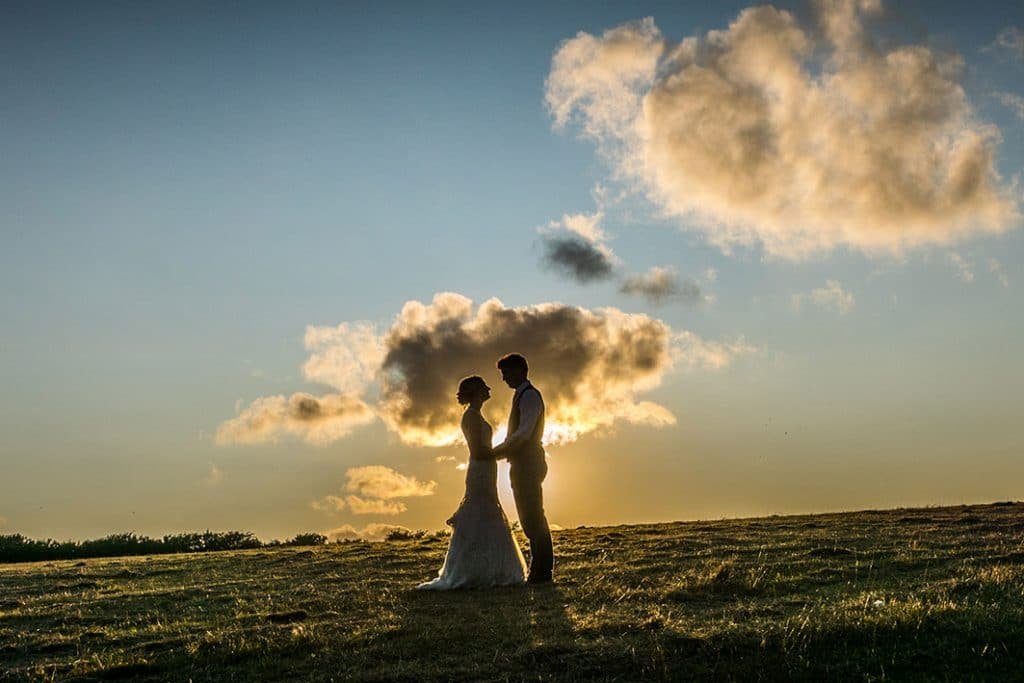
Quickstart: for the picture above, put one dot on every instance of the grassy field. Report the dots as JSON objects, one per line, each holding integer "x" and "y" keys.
{"x": 926, "y": 594}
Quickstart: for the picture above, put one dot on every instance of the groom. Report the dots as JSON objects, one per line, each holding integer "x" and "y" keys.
{"x": 527, "y": 464}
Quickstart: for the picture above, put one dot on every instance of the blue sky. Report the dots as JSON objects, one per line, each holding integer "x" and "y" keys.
{"x": 186, "y": 187}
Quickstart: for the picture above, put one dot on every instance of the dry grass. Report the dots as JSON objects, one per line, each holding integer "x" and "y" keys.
{"x": 932, "y": 594}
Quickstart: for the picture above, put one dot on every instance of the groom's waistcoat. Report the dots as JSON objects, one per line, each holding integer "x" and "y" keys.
{"x": 532, "y": 448}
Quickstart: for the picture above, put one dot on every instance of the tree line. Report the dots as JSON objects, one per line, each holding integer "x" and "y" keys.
{"x": 18, "y": 548}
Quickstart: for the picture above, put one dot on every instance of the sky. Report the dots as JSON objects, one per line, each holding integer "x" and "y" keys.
{"x": 763, "y": 259}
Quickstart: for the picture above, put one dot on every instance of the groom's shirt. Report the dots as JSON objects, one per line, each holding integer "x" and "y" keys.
{"x": 530, "y": 409}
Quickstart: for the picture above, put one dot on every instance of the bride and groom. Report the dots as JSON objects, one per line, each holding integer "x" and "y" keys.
{"x": 482, "y": 551}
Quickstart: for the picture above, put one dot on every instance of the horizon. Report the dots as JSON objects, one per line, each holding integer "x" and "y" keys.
{"x": 249, "y": 255}
{"x": 380, "y": 538}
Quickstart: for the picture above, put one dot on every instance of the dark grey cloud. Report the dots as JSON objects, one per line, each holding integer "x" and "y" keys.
{"x": 578, "y": 258}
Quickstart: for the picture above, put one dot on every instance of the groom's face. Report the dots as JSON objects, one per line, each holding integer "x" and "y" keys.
{"x": 512, "y": 377}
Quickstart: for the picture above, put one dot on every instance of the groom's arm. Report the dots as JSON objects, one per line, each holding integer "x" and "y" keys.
{"x": 529, "y": 412}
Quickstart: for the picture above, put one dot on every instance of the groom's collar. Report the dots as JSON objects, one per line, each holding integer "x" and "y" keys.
{"x": 522, "y": 387}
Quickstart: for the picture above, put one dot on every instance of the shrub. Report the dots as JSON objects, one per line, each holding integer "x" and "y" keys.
{"x": 308, "y": 539}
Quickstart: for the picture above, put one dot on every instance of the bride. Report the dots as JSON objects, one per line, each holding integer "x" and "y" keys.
{"x": 482, "y": 551}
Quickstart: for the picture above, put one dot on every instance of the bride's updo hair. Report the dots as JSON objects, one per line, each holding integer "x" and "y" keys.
{"x": 470, "y": 387}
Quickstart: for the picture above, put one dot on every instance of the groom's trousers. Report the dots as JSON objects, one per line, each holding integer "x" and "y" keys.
{"x": 526, "y": 477}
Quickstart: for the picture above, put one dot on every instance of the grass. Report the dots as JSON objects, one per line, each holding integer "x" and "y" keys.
{"x": 928, "y": 594}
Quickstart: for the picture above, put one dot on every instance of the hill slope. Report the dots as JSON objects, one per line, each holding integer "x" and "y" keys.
{"x": 932, "y": 593}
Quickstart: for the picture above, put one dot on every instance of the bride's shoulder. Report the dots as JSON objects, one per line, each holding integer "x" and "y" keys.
{"x": 471, "y": 417}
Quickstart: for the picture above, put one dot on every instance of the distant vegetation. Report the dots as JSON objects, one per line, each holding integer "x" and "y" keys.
{"x": 18, "y": 548}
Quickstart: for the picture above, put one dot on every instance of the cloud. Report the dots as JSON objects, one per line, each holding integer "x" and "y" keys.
{"x": 345, "y": 357}
{"x": 964, "y": 268}
{"x": 379, "y": 481}
{"x": 318, "y": 420}
{"x": 361, "y": 506}
{"x": 346, "y": 532}
{"x": 661, "y": 284}
{"x": 371, "y": 532}
{"x": 214, "y": 477}
{"x": 997, "y": 269}
{"x": 592, "y": 365}
{"x": 586, "y": 225}
{"x": 377, "y": 486}
{"x": 1009, "y": 41}
{"x": 801, "y": 138}
{"x": 582, "y": 260}
{"x": 831, "y": 297}
{"x": 3, "y": 521}
{"x": 575, "y": 246}
{"x": 329, "y": 504}
{"x": 693, "y": 353}
{"x": 1014, "y": 102}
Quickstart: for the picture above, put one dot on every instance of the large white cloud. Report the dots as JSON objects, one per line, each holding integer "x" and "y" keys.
{"x": 800, "y": 138}
{"x": 592, "y": 365}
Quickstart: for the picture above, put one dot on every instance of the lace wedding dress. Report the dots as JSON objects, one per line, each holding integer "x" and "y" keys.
{"x": 482, "y": 551}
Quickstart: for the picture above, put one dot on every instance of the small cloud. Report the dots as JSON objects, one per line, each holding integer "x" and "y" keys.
{"x": 343, "y": 533}
{"x": 377, "y": 486}
{"x": 1009, "y": 42}
{"x": 378, "y": 481}
{"x": 319, "y": 420}
{"x": 462, "y": 467}
{"x": 997, "y": 269}
{"x": 579, "y": 258}
{"x": 329, "y": 504}
{"x": 3, "y": 521}
{"x": 831, "y": 297}
{"x": 586, "y": 225}
{"x": 215, "y": 476}
{"x": 1014, "y": 102}
{"x": 371, "y": 532}
{"x": 694, "y": 353}
{"x": 661, "y": 284}
{"x": 964, "y": 268}
{"x": 710, "y": 274}
{"x": 363, "y": 506}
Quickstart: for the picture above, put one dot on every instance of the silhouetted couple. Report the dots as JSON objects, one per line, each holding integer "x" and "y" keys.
{"x": 482, "y": 551}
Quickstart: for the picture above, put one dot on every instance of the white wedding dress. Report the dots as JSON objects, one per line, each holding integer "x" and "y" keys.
{"x": 482, "y": 551}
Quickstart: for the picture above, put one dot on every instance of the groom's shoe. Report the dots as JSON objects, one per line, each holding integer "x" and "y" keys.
{"x": 535, "y": 580}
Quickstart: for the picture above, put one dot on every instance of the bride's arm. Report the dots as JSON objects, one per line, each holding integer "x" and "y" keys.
{"x": 472, "y": 429}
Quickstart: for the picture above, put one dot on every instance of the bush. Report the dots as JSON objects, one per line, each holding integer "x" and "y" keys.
{"x": 17, "y": 548}
{"x": 308, "y": 539}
